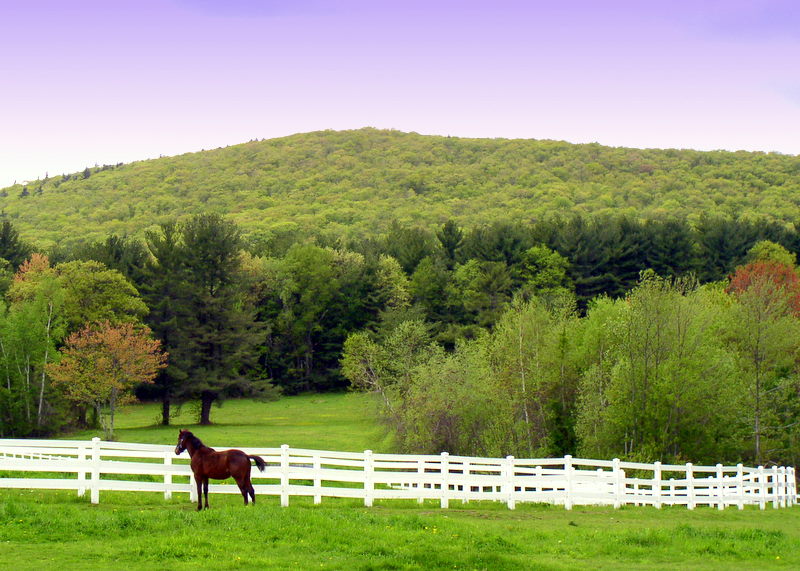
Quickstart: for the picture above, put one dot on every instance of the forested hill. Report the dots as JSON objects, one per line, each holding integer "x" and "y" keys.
{"x": 355, "y": 183}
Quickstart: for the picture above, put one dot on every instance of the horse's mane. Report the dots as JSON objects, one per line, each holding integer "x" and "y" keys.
{"x": 196, "y": 442}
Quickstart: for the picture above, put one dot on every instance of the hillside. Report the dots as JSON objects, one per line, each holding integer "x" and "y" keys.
{"x": 355, "y": 183}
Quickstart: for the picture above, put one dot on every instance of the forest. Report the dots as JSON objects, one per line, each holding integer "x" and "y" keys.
{"x": 356, "y": 184}
{"x": 484, "y": 325}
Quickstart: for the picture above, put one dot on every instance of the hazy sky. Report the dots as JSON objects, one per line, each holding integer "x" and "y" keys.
{"x": 106, "y": 81}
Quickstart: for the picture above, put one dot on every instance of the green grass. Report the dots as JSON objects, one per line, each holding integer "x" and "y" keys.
{"x": 143, "y": 531}
{"x": 343, "y": 421}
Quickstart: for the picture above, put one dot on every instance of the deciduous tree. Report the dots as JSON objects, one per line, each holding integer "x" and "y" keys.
{"x": 102, "y": 363}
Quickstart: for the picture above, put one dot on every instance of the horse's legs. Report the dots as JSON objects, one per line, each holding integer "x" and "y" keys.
{"x": 205, "y": 490}
{"x": 252, "y": 492}
{"x": 199, "y": 483}
{"x": 243, "y": 488}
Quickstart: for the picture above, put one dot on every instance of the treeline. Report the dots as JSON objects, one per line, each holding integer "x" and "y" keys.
{"x": 673, "y": 371}
{"x": 245, "y": 316}
{"x": 355, "y": 183}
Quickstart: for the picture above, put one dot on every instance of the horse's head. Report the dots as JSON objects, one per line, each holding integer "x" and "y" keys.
{"x": 183, "y": 436}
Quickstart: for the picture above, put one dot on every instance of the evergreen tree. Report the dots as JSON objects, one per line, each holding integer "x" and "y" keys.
{"x": 223, "y": 332}
{"x": 450, "y": 238}
{"x": 166, "y": 291}
{"x": 409, "y": 246}
{"x": 12, "y": 248}
{"x": 126, "y": 255}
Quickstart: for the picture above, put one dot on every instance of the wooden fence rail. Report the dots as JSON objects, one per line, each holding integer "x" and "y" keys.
{"x": 96, "y": 466}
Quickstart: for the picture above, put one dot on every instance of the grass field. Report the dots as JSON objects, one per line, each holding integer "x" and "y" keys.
{"x": 128, "y": 531}
{"x": 344, "y": 421}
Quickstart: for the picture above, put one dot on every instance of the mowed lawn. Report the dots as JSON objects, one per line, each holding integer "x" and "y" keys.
{"x": 42, "y": 529}
{"x": 340, "y": 421}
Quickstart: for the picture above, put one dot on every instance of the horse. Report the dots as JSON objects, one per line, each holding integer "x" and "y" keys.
{"x": 208, "y": 463}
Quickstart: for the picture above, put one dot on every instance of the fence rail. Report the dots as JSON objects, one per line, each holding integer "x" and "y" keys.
{"x": 96, "y": 466}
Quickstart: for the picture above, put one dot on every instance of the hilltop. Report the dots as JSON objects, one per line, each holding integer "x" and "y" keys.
{"x": 355, "y": 183}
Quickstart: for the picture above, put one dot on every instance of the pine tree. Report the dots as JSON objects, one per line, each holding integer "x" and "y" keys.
{"x": 223, "y": 332}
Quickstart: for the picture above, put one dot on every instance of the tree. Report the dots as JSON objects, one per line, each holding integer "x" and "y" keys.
{"x": 767, "y": 251}
{"x": 777, "y": 282}
{"x": 450, "y": 238}
{"x": 101, "y": 363}
{"x": 658, "y": 382}
{"x": 94, "y": 293}
{"x": 387, "y": 368}
{"x": 764, "y": 328}
{"x": 12, "y": 248}
{"x": 166, "y": 291}
{"x": 223, "y": 331}
{"x": 29, "y": 332}
{"x": 542, "y": 272}
{"x": 484, "y": 289}
{"x": 409, "y": 246}
{"x": 121, "y": 253}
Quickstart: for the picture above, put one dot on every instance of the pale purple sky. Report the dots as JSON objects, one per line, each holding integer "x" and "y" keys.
{"x": 106, "y": 81}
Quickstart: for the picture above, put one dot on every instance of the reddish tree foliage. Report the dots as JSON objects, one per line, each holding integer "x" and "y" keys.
{"x": 769, "y": 278}
{"x": 36, "y": 264}
{"x": 101, "y": 363}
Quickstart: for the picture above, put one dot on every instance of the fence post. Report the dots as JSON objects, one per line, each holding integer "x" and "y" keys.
{"x": 95, "y": 482}
{"x": 445, "y": 472}
{"x": 656, "y": 487}
{"x": 167, "y": 475}
{"x": 568, "y": 484}
{"x": 720, "y": 488}
{"x": 421, "y": 483}
{"x": 618, "y": 483}
{"x": 81, "y": 470}
{"x": 775, "y": 487}
{"x": 466, "y": 486}
{"x": 317, "y": 479}
{"x": 762, "y": 491}
{"x": 792, "y": 487}
{"x": 690, "y": 503}
{"x": 369, "y": 486}
{"x": 784, "y": 486}
{"x": 192, "y": 488}
{"x": 510, "y": 502}
{"x": 284, "y": 475}
{"x": 740, "y": 485}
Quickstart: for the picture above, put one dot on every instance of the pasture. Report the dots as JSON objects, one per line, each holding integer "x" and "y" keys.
{"x": 143, "y": 531}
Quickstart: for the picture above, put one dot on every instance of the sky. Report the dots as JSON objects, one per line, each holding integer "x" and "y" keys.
{"x": 85, "y": 82}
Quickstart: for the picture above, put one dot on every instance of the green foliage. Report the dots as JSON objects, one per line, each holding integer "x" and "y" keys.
{"x": 94, "y": 293}
{"x": 764, "y": 250}
{"x": 29, "y": 332}
{"x": 661, "y": 383}
{"x": 12, "y": 248}
{"x": 496, "y": 395}
{"x": 218, "y": 329}
{"x": 672, "y": 372}
{"x": 357, "y": 183}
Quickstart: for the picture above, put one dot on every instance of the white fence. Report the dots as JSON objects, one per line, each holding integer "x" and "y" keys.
{"x": 116, "y": 466}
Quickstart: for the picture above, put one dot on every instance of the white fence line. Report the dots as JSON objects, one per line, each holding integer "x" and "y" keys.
{"x": 97, "y": 466}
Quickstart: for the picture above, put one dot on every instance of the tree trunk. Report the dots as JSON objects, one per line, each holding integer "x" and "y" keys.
{"x": 44, "y": 365}
{"x": 206, "y": 399}
{"x": 165, "y": 411}
{"x": 113, "y": 407}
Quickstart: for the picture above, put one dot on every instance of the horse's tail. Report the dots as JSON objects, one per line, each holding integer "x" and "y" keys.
{"x": 260, "y": 464}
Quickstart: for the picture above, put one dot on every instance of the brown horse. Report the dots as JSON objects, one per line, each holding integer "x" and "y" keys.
{"x": 208, "y": 463}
